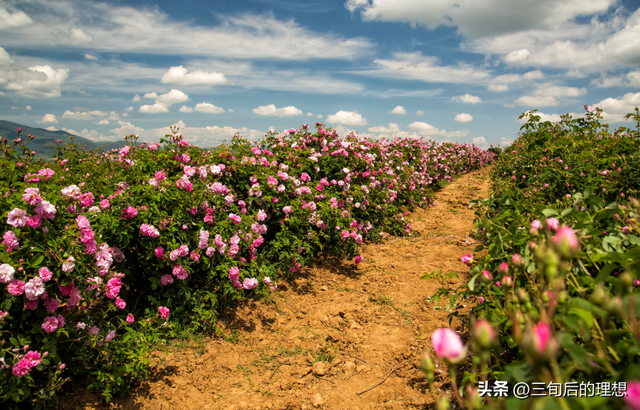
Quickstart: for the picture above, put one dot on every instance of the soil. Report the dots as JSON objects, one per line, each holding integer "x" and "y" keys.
{"x": 334, "y": 337}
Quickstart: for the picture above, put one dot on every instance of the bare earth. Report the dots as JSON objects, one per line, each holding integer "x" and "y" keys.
{"x": 333, "y": 332}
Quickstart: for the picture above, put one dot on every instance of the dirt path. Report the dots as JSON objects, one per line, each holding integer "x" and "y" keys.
{"x": 333, "y": 332}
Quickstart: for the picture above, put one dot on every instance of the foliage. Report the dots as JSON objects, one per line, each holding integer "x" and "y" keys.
{"x": 106, "y": 252}
{"x": 558, "y": 285}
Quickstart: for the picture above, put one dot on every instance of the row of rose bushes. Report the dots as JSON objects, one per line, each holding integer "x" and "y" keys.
{"x": 104, "y": 253}
{"x": 558, "y": 287}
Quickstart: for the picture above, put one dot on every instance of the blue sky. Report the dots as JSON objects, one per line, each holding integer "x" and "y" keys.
{"x": 449, "y": 70}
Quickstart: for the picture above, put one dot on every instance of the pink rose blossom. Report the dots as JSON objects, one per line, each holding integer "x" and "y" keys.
{"x": 16, "y": 287}
{"x": 50, "y": 324}
{"x": 249, "y": 283}
{"x": 164, "y": 312}
{"x": 448, "y": 345}
{"x": 130, "y": 319}
{"x": 166, "y": 279}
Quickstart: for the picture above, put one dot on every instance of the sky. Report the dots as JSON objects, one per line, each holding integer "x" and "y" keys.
{"x": 448, "y": 70}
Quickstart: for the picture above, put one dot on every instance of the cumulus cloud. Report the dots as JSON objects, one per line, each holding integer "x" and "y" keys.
{"x": 467, "y": 99}
{"x": 103, "y": 122}
{"x": 271, "y": 110}
{"x": 89, "y": 115}
{"x": 181, "y": 75}
{"x": 398, "y": 110}
{"x": 385, "y": 129}
{"x": 28, "y": 108}
{"x": 40, "y": 81}
{"x": 614, "y": 109}
{"x": 51, "y": 128}
{"x": 630, "y": 79}
{"x": 185, "y": 109}
{"x": 543, "y": 117}
{"x": 88, "y": 56}
{"x": 207, "y": 108}
{"x": 424, "y": 129}
{"x": 481, "y": 142}
{"x": 172, "y": 97}
{"x": 464, "y": 117}
{"x": 499, "y": 88}
{"x": 547, "y": 94}
{"x": 419, "y": 112}
{"x": 49, "y": 119}
{"x": 15, "y": 19}
{"x": 136, "y": 98}
{"x": 155, "y": 108}
{"x": 347, "y": 118}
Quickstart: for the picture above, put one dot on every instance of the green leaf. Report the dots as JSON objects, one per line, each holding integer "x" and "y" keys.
{"x": 550, "y": 212}
{"x": 472, "y": 282}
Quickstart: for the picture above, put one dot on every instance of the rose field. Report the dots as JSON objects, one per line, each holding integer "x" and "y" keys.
{"x": 107, "y": 257}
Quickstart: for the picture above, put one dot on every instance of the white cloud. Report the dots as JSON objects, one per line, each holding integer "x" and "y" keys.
{"x": 207, "y": 108}
{"x": 506, "y": 141}
{"x": 185, "y": 109}
{"x": 537, "y": 100}
{"x": 136, "y": 98}
{"x": 319, "y": 116}
{"x": 347, "y": 118}
{"x": 156, "y": 108}
{"x": 481, "y": 142}
{"x": 40, "y": 81}
{"x": 5, "y": 58}
{"x": 614, "y": 109}
{"x": 103, "y": 122}
{"x": 543, "y": 117}
{"x": 51, "y": 128}
{"x": 128, "y": 109}
{"x": 419, "y": 112}
{"x": 181, "y": 75}
{"x": 309, "y": 114}
{"x": 415, "y": 66}
{"x": 14, "y": 19}
{"x": 476, "y": 19}
{"x": 382, "y": 129}
{"x": 398, "y": 110}
{"x": 546, "y": 95}
{"x": 28, "y": 108}
{"x": 72, "y": 36}
{"x": 424, "y": 129}
{"x": 126, "y": 128}
{"x": 499, "y": 88}
{"x": 172, "y": 97}
{"x": 89, "y": 115}
{"x": 148, "y": 30}
{"x": 463, "y": 117}
{"x": 49, "y": 119}
{"x": 467, "y": 99}
{"x": 88, "y": 56}
{"x": 630, "y": 79}
{"x": 271, "y": 110}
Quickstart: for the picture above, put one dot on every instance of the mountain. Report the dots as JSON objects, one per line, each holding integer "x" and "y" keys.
{"x": 43, "y": 138}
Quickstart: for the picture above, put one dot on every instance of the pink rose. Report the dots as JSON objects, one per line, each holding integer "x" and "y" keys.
{"x": 448, "y": 345}
{"x": 164, "y": 312}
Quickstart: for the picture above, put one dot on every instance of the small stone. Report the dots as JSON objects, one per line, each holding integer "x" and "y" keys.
{"x": 318, "y": 401}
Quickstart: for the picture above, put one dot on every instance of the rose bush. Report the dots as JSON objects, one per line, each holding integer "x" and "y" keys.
{"x": 558, "y": 288}
{"x": 105, "y": 252}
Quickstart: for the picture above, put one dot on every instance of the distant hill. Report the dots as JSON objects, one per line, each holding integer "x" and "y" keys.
{"x": 43, "y": 138}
